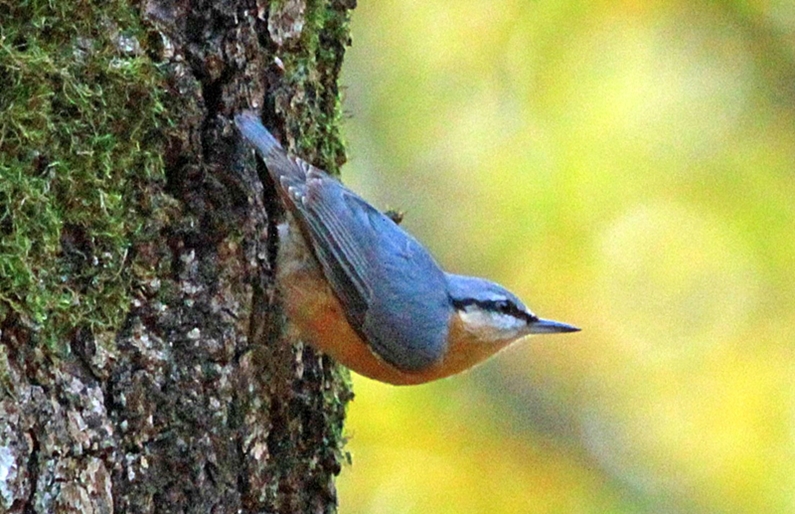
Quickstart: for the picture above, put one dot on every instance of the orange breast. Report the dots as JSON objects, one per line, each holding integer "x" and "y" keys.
{"x": 317, "y": 313}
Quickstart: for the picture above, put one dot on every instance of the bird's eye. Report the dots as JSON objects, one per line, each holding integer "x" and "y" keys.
{"x": 505, "y": 306}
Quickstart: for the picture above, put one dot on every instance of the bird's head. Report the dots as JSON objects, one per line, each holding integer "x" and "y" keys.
{"x": 495, "y": 315}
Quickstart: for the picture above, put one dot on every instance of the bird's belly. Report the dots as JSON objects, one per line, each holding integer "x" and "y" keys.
{"x": 315, "y": 311}
{"x": 317, "y": 314}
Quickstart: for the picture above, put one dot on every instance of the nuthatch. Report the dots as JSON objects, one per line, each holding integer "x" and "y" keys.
{"x": 361, "y": 289}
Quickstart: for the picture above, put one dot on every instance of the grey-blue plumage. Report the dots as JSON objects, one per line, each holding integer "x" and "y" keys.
{"x": 393, "y": 292}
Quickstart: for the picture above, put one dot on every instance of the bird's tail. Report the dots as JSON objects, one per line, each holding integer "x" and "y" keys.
{"x": 276, "y": 159}
{"x": 255, "y": 133}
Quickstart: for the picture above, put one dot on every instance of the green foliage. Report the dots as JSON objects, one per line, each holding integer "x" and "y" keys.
{"x": 79, "y": 148}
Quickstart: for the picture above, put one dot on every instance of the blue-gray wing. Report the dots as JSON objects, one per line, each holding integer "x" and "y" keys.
{"x": 394, "y": 293}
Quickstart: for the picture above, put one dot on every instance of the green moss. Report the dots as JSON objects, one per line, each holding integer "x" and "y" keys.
{"x": 311, "y": 105}
{"x": 80, "y": 148}
{"x": 335, "y": 401}
{"x": 311, "y": 72}
{"x": 6, "y": 379}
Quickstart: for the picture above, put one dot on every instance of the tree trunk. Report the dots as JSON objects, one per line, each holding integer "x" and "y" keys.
{"x": 142, "y": 362}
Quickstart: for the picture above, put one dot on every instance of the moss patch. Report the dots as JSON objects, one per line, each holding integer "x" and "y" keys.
{"x": 80, "y": 151}
{"x": 310, "y": 99}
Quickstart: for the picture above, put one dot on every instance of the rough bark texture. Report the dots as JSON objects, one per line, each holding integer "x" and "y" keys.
{"x": 142, "y": 362}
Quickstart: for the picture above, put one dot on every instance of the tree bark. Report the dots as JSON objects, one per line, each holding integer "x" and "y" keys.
{"x": 143, "y": 366}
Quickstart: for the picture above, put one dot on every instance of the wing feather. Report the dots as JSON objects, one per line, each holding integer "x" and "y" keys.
{"x": 393, "y": 292}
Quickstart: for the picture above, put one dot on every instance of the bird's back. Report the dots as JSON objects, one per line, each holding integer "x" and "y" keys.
{"x": 392, "y": 291}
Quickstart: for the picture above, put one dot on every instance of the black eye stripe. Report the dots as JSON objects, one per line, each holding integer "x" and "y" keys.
{"x": 504, "y": 306}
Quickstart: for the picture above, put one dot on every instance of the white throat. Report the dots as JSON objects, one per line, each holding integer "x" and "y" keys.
{"x": 492, "y": 326}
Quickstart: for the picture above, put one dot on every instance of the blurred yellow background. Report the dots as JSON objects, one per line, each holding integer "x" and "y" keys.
{"x": 626, "y": 167}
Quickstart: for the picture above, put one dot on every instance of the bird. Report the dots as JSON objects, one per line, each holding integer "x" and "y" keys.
{"x": 361, "y": 289}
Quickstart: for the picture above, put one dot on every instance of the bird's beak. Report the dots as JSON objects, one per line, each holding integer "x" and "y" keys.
{"x": 547, "y": 326}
